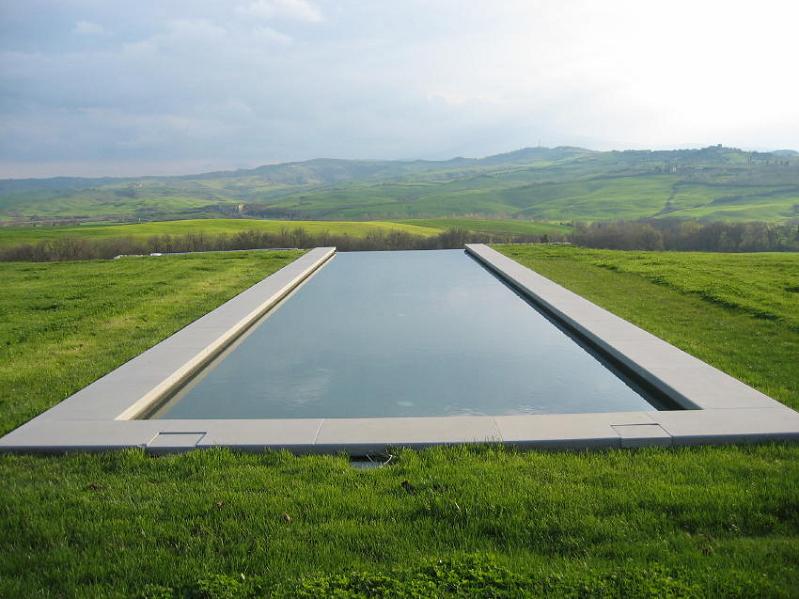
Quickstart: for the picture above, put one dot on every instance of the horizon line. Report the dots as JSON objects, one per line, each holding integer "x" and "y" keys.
{"x": 196, "y": 173}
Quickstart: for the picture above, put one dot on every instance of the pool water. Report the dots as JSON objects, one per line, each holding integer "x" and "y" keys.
{"x": 416, "y": 333}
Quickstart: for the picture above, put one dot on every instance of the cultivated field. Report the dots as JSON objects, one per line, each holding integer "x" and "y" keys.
{"x": 448, "y": 522}
{"x": 15, "y": 235}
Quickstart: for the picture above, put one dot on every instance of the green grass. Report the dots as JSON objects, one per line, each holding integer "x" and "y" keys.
{"x": 16, "y": 235}
{"x": 483, "y": 521}
{"x": 67, "y": 324}
{"x": 493, "y": 226}
{"x": 765, "y": 285}
{"x": 725, "y": 520}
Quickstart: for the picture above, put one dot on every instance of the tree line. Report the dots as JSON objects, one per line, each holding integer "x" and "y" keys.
{"x": 681, "y": 235}
{"x": 620, "y": 235}
{"x": 77, "y": 248}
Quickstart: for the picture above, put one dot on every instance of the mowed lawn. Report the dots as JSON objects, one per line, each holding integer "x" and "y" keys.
{"x": 720, "y": 521}
{"x": 212, "y": 226}
{"x": 68, "y": 323}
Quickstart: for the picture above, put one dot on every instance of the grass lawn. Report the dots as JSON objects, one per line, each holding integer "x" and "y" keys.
{"x": 480, "y": 521}
{"x": 67, "y": 324}
{"x": 211, "y": 226}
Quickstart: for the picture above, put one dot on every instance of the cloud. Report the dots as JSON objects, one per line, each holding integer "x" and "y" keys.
{"x": 88, "y": 28}
{"x": 195, "y": 82}
{"x": 271, "y": 35}
{"x": 297, "y": 10}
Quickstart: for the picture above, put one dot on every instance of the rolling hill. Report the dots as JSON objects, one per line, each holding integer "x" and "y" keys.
{"x": 532, "y": 184}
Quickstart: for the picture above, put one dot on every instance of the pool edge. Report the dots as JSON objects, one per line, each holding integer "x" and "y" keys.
{"x": 670, "y": 370}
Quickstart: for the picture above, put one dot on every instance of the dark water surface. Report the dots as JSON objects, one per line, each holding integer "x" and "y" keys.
{"x": 424, "y": 333}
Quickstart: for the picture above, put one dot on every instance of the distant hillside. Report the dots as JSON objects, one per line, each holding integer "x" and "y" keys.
{"x": 555, "y": 184}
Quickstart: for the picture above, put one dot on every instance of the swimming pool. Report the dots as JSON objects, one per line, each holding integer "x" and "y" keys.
{"x": 359, "y": 353}
{"x": 410, "y": 333}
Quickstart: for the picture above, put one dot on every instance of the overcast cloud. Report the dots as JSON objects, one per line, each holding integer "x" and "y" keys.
{"x": 91, "y": 87}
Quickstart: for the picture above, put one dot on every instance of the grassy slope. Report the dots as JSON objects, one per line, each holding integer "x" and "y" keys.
{"x": 597, "y": 198}
{"x": 92, "y": 203}
{"x": 712, "y": 521}
{"x": 599, "y": 188}
{"x": 542, "y": 184}
{"x": 16, "y": 235}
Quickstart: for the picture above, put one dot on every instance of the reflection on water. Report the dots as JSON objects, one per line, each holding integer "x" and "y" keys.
{"x": 376, "y": 334}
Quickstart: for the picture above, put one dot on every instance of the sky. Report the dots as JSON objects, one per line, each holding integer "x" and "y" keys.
{"x": 95, "y": 88}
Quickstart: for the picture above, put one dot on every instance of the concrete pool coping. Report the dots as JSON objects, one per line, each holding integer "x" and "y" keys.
{"x": 103, "y": 415}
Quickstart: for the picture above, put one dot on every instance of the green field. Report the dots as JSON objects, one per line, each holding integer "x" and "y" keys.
{"x": 698, "y": 522}
{"x": 493, "y": 226}
{"x": 16, "y": 235}
{"x": 526, "y": 194}
{"x": 544, "y": 184}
